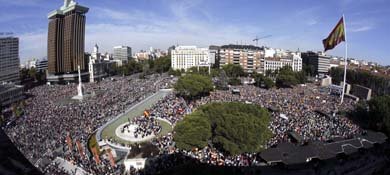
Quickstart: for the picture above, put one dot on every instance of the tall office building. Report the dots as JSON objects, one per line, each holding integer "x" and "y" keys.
{"x": 319, "y": 61}
{"x": 122, "y": 54}
{"x": 9, "y": 60}
{"x": 66, "y": 35}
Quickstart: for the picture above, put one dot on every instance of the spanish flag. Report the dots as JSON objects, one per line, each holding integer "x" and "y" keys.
{"x": 336, "y": 36}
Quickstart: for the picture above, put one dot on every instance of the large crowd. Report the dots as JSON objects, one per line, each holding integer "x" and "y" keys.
{"x": 309, "y": 111}
{"x": 145, "y": 126}
{"x": 312, "y": 113}
{"x": 50, "y": 115}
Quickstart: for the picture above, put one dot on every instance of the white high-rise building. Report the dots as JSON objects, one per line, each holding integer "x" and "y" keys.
{"x": 122, "y": 54}
{"x": 185, "y": 57}
{"x": 9, "y": 59}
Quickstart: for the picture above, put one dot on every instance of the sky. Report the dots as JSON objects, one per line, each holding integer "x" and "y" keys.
{"x": 141, "y": 24}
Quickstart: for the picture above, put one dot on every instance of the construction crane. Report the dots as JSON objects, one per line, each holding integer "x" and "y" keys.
{"x": 257, "y": 39}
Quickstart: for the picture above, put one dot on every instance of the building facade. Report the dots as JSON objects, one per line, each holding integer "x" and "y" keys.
{"x": 98, "y": 67}
{"x": 41, "y": 65}
{"x": 66, "y": 36}
{"x": 122, "y": 54}
{"x": 319, "y": 61}
{"x": 247, "y": 56}
{"x": 185, "y": 57}
{"x": 10, "y": 93}
{"x": 291, "y": 59}
{"x": 9, "y": 59}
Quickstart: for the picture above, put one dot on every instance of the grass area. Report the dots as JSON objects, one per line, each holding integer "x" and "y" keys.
{"x": 109, "y": 131}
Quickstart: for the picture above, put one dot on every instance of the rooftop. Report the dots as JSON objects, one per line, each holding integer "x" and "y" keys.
{"x": 234, "y": 46}
{"x": 69, "y": 5}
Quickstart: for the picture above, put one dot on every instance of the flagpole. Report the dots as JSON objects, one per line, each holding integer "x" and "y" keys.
{"x": 345, "y": 59}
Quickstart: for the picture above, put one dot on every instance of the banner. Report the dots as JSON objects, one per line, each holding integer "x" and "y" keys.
{"x": 96, "y": 155}
{"x": 80, "y": 148}
{"x": 69, "y": 142}
{"x": 111, "y": 157}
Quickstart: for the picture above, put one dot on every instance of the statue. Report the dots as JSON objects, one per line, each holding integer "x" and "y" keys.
{"x": 66, "y": 3}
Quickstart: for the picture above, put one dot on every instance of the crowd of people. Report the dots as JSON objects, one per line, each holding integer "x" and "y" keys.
{"x": 310, "y": 112}
{"x": 146, "y": 125}
{"x": 50, "y": 115}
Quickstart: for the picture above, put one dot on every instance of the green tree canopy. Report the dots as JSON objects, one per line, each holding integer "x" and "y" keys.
{"x": 233, "y": 70}
{"x": 379, "y": 84}
{"x": 193, "y": 132}
{"x": 374, "y": 114}
{"x": 263, "y": 81}
{"x": 162, "y": 64}
{"x": 288, "y": 78}
{"x": 235, "y": 127}
{"x": 193, "y": 85}
{"x": 379, "y": 113}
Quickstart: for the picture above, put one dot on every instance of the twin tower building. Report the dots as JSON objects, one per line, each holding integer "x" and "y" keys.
{"x": 65, "y": 45}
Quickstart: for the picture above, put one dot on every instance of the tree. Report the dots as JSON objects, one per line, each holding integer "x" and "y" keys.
{"x": 162, "y": 64}
{"x": 174, "y": 72}
{"x": 193, "y": 86}
{"x": 309, "y": 70}
{"x": 374, "y": 114}
{"x": 226, "y": 134}
{"x": 233, "y": 70}
{"x": 379, "y": 113}
{"x": 234, "y": 81}
{"x": 193, "y": 132}
{"x": 130, "y": 68}
{"x": 222, "y": 81}
{"x": 288, "y": 78}
{"x": 263, "y": 81}
{"x": 379, "y": 84}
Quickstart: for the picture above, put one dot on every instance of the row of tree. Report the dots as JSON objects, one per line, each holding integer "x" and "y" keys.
{"x": 379, "y": 84}
{"x": 217, "y": 124}
{"x": 192, "y": 86}
{"x": 374, "y": 114}
{"x": 147, "y": 67}
{"x": 286, "y": 77}
{"x": 32, "y": 74}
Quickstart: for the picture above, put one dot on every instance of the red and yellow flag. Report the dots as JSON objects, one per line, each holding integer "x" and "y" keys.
{"x": 335, "y": 37}
{"x": 69, "y": 142}
{"x": 146, "y": 113}
{"x": 111, "y": 157}
{"x": 80, "y": 148}
{"x": 96, "y": 155}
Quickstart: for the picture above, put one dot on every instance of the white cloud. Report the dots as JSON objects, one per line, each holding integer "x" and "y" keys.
{"x": 144, "y": 29}
{"x": 21, "y": 2}
{"x": 361, "y": 26}
{"x": 32, "y": 45}
{"x": 361, "y": 29}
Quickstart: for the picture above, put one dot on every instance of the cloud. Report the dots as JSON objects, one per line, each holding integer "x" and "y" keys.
{"x": 143, "y": 29}
{"x": 362, "y": 25}
{"x": 21, "y": 2}
{"x": 32, "y": 45}
{"x": 362, "y": 29}
{"x": 10, "y": 17}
